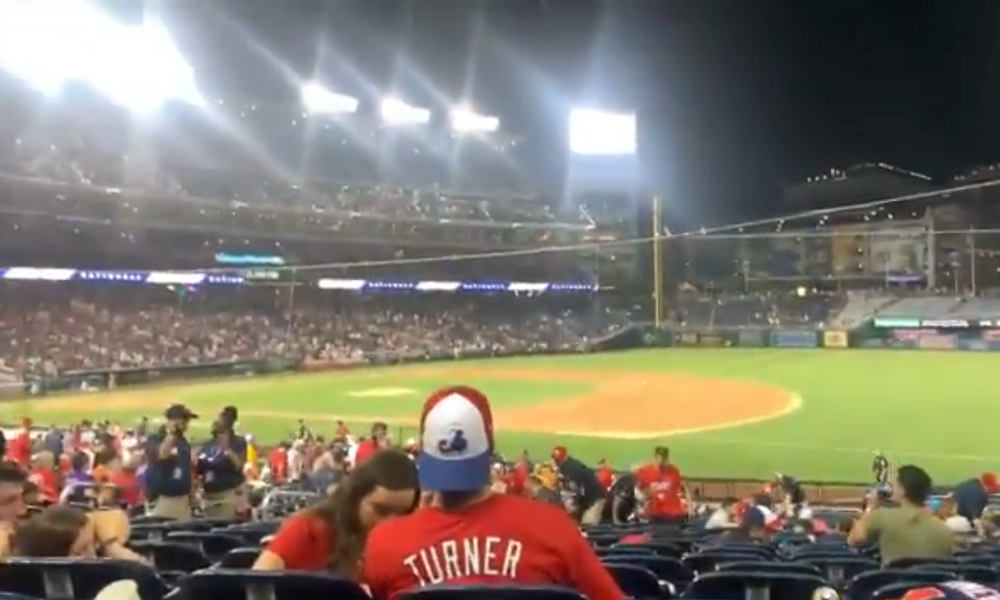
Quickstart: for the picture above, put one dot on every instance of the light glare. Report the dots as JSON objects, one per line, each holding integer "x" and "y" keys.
{"x": 599, "y": 132}
{"x": 464, "y": 119}
{"x": 396, "y": 112}
{"x": 319, "y": 100}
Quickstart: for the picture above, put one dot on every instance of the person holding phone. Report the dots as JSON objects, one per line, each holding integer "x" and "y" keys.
{"x": 168, "y": 476}
{"x": 220, "y": 467}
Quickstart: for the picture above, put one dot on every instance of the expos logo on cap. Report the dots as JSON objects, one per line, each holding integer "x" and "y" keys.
{"x": 456, "y": 440}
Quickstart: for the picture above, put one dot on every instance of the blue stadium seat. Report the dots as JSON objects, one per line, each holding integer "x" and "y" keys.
{"x": 171, "y": 556}
{"x": 659, "y": 547}
{"x": 604, "y": 540}
{"x": 706, "y": 561}
{"x": 982, "y": 574}
{"x": 727, "y": 585}
{"x": 622, "y": 551}
{"x": 764, "y": 552}
{"x": 240, "y": 558}
{"x": 894, "y": 591}
{"x": 213, "y": 545}
{"x": 491, "y": 592}
{"x": 838, "y": 569}
{"x": 74, "y": 578}
{"x": 861, "y": 586}
{"x": 667, "y": 569}
{"x": 235, "y": 584}
{"x": 770, "y": 567}
{"x": 13, "y": 596}
{"x": 252, "y": 533}
{"x": 636, "y": 581}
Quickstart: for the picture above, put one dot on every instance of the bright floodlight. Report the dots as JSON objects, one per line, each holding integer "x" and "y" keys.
{"x": 396, "y": 112}
{"x": 465, "y": 120}
{"x": 317, "y": 99}
{"x": 599, "y": 132}
{"x": 50, "y": 43}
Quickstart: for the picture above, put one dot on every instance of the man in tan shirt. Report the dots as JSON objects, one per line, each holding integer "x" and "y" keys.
{"x": 907, "y": 531}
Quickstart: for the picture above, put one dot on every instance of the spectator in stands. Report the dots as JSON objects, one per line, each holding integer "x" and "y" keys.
{"x": 220, "y": 467}
{"x": 65, "y": 531}
{"x": 379, "y": 439}
{"x": 908, "y": 531}
{"x": 663, "y": 490}
{"x": 19, "y": 448}
{"x": 277, "y": 463}
{"x": 168, "y": 475}
{"x": 466, "y": 534}
{"x": 757, "y": 525}
{"x": 12, "y": 507}
{"x": 331, "y": 535}
{"x": 723, "y": 517}
{"x": 53, "y": 441}
{"x": 605, "y": 474}
{"x": 589, "y": 493}
{"x": 43, "y": 474}
{"x": 972, "y": 496}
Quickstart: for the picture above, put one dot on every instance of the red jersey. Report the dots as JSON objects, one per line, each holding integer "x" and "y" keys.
{"x": 277, "y": 461}
{"x": 48, "y": 484}
{"x": 664, "y": 490}
{"x": 365, "y": 451}
{"x": 303, "y": 543}
{"x": 129, "y": 489}
{"x": 19, "y": 449}
{"x": 606, "y": 477}
{"x": 502, "y": 539}
{"x": 517, "y": 479}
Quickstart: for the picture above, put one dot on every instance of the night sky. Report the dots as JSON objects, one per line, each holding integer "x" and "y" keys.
{"x": 734, "y": 96}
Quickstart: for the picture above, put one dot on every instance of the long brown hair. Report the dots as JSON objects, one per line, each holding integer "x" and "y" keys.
{"x": 389, "y": 469}
{"x": 51, "y": 532}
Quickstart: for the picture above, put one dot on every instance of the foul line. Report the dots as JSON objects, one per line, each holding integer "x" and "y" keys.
{"x": 794, "y": 403}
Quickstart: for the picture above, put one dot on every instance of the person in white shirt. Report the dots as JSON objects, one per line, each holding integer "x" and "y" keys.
{"x": 723, "y": 517}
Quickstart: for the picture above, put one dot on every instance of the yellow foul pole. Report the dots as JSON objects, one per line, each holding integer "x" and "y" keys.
{"x": 658, "y": 304}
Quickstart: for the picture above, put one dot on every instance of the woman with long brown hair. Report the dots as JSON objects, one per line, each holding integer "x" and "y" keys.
{"x": 330, "y": 536}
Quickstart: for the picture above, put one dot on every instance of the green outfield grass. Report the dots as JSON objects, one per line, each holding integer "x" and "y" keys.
{"x": 936, "y": 409}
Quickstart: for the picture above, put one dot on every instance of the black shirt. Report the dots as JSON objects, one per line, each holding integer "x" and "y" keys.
{"x": 170, "y": 476}
{"x": 218, "y": 472}
{"x": 584, "y": 479}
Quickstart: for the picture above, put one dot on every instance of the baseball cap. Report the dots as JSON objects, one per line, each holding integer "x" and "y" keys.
{"x": 456, "y": 441}
{"x": 951, "y": 590}
{"x": 179, "y": 411}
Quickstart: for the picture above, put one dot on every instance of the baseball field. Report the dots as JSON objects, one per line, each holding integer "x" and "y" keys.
{"x": 818, "y": 414}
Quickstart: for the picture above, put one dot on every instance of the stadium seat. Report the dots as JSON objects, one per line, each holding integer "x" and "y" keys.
{"x": 894, "y": 591}
{"x": 838, "y": 569}
{"x": 213, "y": 545}
{"x": 490, "y": 592}
{"x": 623, "y": 551}
{"x": 667, "y": 569}
{"x": 770, "y": 567}
{"x": 981, "y": 574}
{"x": 637, "y": 581}
{"x": 239, "y": 584}
{"x": 604, "y": 540}
{"x": 252, "y": 533}
{"x": 13, "y": 596}
{"x": 726, "y": 585}
{"x": 660, "y": 548}
{"x": 764, "y": 552}
{"x": 171, "y": 556}
{"x": 73, "y": 578}
{"x": 703, "y": 562}
{"x": 240, "y": 558}
{"x": 861, "y": 586}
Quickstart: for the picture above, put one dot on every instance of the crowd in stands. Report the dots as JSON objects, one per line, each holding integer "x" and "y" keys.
{"x": 761, "y": 309}
{"x": 46, "y": 334}
{"x": 400, "y": 515}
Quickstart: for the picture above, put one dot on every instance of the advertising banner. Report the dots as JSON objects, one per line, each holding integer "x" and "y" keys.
{"x": 938, "y": 342}
{"x": 835, "y": 339}
{"x": 686, "y": 338}
{"x": 751, "y": 339}
{"x": 712, "y": 340}
{"x": 793, "y": 338}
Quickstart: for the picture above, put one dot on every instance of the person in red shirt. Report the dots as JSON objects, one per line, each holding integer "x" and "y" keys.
{"x": 331, "y": 534}
{"x": 466, "y": 534}
{"x": 661, "y": 485}
{"x": 45, "y": 477}
{"x": 605, "y": 474}
{"x": 277, "y": 462}
{"x": 19, "y": 448}
{"x": 369, "y": 446}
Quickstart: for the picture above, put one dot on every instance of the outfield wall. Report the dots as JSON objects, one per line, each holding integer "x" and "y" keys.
{"x": 919, "y": 337}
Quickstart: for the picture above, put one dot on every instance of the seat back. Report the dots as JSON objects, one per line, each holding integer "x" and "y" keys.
{"x": 67, "y": 579}
{"x": 239, "y": 584}
{"x": 770, "y": 567}
{"x": 240, "y": 558}
{"x": 861, "y": 586}
{"x": 839, "y": 569}
{"x": 706, "y": 561}
{"x": 213, "y": 545}
{"x": 171, "y": 556}
{"x": 492, "y": 592}
{"x": 636, "y": 581}
{"x": 754, "y": 585}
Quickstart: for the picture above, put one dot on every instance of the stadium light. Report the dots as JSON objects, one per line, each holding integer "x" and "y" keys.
{"x": 396, "y": 112}
{"x": 48, "y": 44}
{"x": 319, "y": 100}
{"x": 465, "y": 120}
{"x": 599, "y": 132}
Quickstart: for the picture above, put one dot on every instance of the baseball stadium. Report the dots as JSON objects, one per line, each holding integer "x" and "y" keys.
{"x": 497, "y": 300}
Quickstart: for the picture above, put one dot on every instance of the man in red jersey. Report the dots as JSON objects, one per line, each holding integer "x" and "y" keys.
{"x": 466, "y": 534}
{"x": 19, "y": 448}
{"x": 605, "y": 474}
{"x": 661, "y": 485}
{"x": 378, "y": 440}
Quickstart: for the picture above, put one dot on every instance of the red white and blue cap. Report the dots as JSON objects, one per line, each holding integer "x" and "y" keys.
{"x": 456, "y": 441}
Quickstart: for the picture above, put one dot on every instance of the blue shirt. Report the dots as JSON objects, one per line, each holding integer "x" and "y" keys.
{"x": 170, "y": 476}
{"x": 218, "y": 472}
